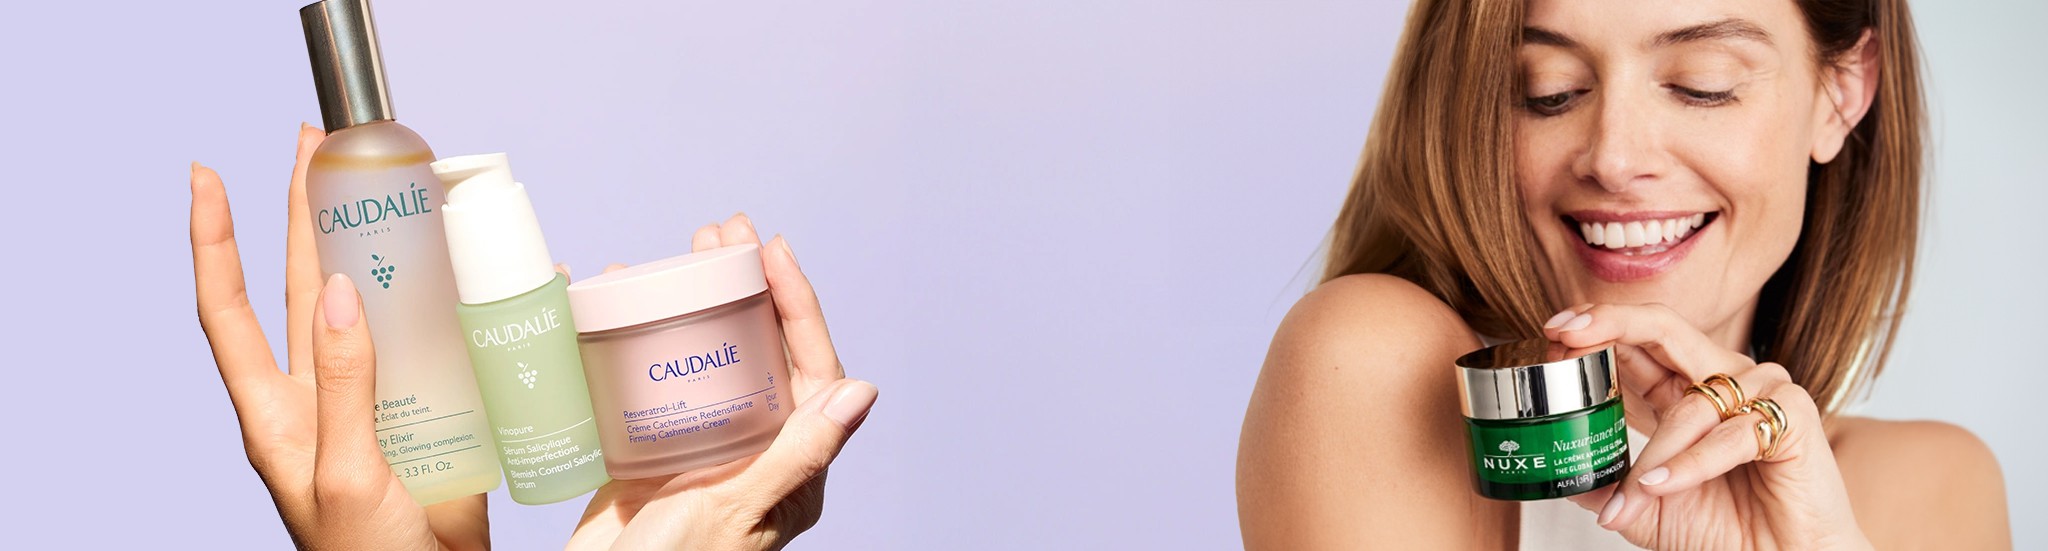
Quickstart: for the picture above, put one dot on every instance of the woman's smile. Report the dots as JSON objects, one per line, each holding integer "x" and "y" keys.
{"x": 1630, "y": 246}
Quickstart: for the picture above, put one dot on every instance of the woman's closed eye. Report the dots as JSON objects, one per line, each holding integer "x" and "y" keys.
{"x": 1703, "y": 98}
{"x": 1553, "y": 104}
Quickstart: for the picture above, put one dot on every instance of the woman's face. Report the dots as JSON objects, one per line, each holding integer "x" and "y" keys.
{"x": 1662, "y": 150}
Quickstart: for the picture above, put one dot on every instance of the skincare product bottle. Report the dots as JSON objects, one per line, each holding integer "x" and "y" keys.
{"x": 1543, "y": 422}
{"x": 377, "y": 217}
{"x": 520, "y": 332}
{"x": 685, "y": 361}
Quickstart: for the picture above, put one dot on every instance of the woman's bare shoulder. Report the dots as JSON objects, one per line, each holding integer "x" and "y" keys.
{"x": 1370, "y": 313}
{"x": 1368, "y": 339}
{"x": 1353, "y": 434}
{"x": 1922, "y": 483}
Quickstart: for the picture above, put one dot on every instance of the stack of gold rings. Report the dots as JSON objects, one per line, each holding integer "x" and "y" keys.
{"x": 1769, "y": 433}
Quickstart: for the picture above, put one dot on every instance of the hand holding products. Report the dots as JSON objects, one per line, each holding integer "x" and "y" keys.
{"x": 774, "y": 495}
{"x": 1702, "y": 480}
{"x": 293, "y": 424}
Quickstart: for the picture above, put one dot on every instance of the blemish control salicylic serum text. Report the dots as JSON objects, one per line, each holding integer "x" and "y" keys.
{"x": 377, "y": 217}
{"x": 520, "y": 333}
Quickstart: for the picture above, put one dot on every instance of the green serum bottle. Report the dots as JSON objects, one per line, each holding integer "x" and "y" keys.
{"x": 521, "y": 337}
{"x": 1543, "y": 422}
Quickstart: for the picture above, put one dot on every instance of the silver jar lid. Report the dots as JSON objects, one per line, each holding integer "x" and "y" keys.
{"x": 1533, "y": 378}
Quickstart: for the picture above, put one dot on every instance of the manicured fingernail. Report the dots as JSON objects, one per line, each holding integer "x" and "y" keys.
{"x": 1559, "y": 319}
{"x": 564, "y": 269}
{"x": 851, "y": 402}
{"x": 1613, "y": 508}
{"x": 1578, "y": 322}
{"x": 339, "y": 300}
{"x": 1655, "y": 476}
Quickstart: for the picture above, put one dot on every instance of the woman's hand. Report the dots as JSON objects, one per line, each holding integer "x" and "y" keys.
{"x": 760, "y": 502}
{"x": 1699, "y": 482}
{"x": 308, "y": 430}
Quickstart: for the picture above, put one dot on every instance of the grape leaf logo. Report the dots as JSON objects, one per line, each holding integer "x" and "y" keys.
{"x": 382, "y": 272}
{"x": 528, "y": 375}
{"x": 1510, "y": 446}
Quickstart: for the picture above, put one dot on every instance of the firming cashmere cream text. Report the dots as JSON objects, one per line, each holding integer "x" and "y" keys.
{"x": 1543, "y": 422}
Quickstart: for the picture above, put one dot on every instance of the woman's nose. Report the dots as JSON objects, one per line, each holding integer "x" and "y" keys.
{"x": 1624, "y": 146}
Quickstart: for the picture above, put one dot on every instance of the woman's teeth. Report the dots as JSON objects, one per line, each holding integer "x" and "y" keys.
{"x": 1619, "y": 235}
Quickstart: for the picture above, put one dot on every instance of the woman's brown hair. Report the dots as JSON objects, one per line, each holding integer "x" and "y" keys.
{"x": 1421, "y": 208}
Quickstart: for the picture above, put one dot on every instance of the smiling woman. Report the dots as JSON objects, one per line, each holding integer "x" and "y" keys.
{"x": 1725, "y": 191}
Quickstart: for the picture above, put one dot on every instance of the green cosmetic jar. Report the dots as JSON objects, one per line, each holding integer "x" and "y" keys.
{"x": 1543, "y": 422}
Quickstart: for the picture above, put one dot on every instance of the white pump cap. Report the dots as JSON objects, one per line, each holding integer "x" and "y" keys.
{"x": 494, "y": 239}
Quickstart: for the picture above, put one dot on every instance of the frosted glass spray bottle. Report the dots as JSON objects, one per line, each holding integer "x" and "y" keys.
{"x": 520, "y": 335}
{"x": 376, "y": 217}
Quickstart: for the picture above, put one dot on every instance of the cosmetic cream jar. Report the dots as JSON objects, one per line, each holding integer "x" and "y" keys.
{"x": 685, "y": 361}
{"x": 1543, "y": 423}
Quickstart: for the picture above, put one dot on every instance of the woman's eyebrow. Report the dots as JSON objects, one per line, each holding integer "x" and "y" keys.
{"x": 1539, "y": 35}
{"x": 1731, "y": 28}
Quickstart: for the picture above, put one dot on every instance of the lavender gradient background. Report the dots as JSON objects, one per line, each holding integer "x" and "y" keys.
{"x": 1058, "y": 234}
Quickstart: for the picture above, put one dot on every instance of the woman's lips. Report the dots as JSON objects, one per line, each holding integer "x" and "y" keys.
{"x": 1642, "y": 253}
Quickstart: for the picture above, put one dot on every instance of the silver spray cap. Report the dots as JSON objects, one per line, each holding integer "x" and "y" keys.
{"x": 347, "y": 70}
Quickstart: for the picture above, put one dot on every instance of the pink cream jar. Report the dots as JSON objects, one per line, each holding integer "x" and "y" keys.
{"x": 685, "y": 361}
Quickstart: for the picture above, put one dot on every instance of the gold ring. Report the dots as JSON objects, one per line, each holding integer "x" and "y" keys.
{"x": 1771, "y": 431}
{"x": 1733, "y": 388}
{"x": 1714, "y": 396}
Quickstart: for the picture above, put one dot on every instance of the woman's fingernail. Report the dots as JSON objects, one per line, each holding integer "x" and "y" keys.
{"x": 783, "y": 243}
{"x": 851, "y": 402}
{"x": 1613, "y": 508}
{"x": 339, "y": 300}
{"x": 1655, "y": 476}
{"x": 1578, "y": 322}
{"x": 1559, "y": 319}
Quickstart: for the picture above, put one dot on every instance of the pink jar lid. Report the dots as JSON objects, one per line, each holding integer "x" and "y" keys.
{"x": 667, "y": 288}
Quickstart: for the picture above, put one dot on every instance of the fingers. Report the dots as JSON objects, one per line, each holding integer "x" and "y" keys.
{"x": 737, "y": 230}
{"x": 1735, "y": 442}
{"x": 344, "y": 372}
{"x": 301, "y": 260}
{"x": 1693, "y": 444}
{"x": 809, "y": 441}
{"x": 803, "y": 319}
{"x": 563, "y": 268}
{"x": 1660, "y": 334}
{"x": 706, "y": 238}
{"x": 1593, "y": 500}
{"x": 239, "y": 348}
{"x": 461, "y": 523}
{"x": 1688, "y": 420}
